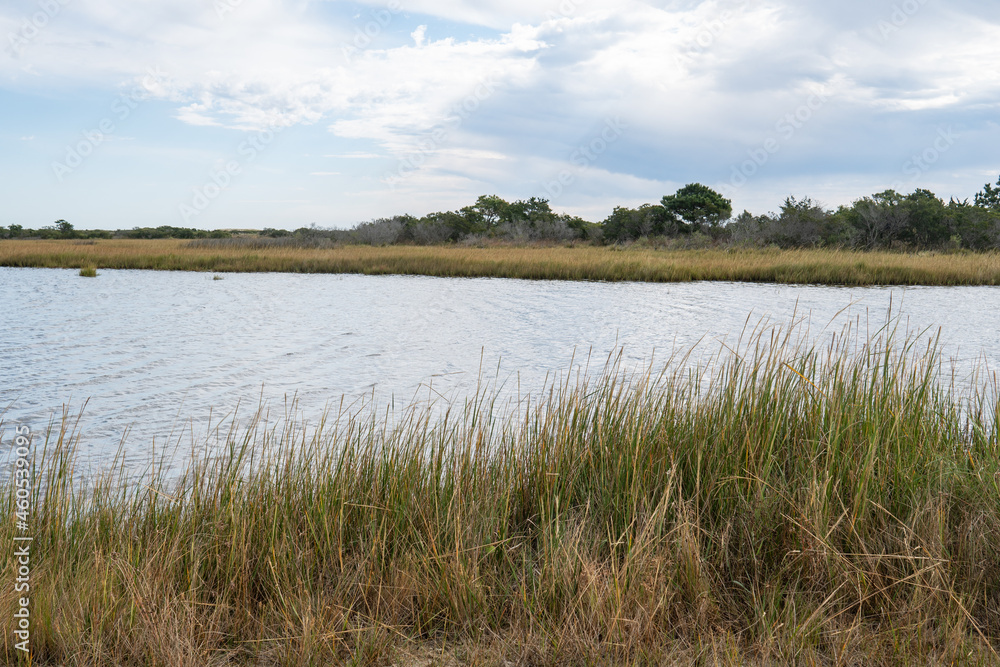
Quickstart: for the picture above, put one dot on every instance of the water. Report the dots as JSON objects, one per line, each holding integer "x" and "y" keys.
{"x": 150, "y": 353}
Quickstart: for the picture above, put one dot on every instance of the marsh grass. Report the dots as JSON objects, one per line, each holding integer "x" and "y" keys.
{"x": 531, "y": 262}
{"x": 793, "y": 504}
{"x": 88, "y": 272}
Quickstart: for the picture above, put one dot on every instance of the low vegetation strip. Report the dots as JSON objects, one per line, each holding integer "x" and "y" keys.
{"x": 794, "y": 506}
{"x": 582, "y": 262}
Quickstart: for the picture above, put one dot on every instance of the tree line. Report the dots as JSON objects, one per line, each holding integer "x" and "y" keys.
{"x": 62, "y": 229}
{"x": 697, "y": 215}
{"x": 694, "y": 216}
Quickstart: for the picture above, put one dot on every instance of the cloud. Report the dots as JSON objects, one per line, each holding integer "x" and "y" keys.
{"x": 419, "y": 35}
{"x": 502, "y": 14}
{"x": 355, "y": 156}
{"x": 700, "y": 84}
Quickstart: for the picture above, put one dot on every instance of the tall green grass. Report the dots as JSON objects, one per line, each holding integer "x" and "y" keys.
{"x": 789, "y": 504}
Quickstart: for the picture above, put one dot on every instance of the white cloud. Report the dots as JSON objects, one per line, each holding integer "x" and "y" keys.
{"x": 419, "y": 35}
{"x": 699, "y": 83}
{"x": 355, "y": 156}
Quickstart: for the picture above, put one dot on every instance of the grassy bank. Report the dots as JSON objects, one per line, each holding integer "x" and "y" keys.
{"x": 811, "y": 506}
{"x": 547, "y": 263}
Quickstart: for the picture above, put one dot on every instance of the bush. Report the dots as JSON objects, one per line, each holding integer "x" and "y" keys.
{"x": 430, "y": 232}
{"x": 378, "y": 232}
{"x": 524, "y": 231}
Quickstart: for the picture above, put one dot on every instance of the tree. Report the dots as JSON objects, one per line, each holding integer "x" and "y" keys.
{"x": 584, "y": 229}
{"x": 489, "y": 210}
{"x": 973, "y": 226}
{"x": 747, "y": 229}
{"x": 465, "y": 222}
{"x": 65, "y": 229}
{"x": 628, "y": 224}
{"x": 801, "y": 223}
{"x": 927, "y": 224}
{"x": 696, "y": 206}
{"x": 15, "y": 231}
{"x": 533, "y": 210}
{"x": 879, "y": 219}
{"x": 989, "y": 197}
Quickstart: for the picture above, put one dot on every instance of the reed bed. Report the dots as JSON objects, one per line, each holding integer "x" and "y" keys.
{"x": 833, "y": 505}
{"x": 843, "y": 267}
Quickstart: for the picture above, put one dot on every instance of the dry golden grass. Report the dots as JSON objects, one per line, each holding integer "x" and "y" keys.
{"x": 545, "y": 263}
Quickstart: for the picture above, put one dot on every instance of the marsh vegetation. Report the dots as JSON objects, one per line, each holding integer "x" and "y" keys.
{"x": 792, "y": 504}
{"x": 887, "y": 238}
{"x": 640, "y": 262}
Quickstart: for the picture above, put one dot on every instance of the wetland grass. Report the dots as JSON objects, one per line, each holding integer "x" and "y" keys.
{"x": 795, "y": 505}
{"x": 843, "y": 267}
{"x": 88, "y": 272}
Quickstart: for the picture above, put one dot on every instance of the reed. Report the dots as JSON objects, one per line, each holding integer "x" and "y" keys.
{"x": 790, "y": 504}
{"x": 844, "y": 267}
{"x": 88, "y": 272}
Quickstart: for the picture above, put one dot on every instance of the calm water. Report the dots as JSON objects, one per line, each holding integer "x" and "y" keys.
{"x": 151, "y": 352}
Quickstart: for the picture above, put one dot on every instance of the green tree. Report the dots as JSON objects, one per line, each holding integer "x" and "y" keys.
{"x": 584, "y": 229}
{"x": 532, "y": 210}
{"x": 65, "y": 229}
{"x": 927, "y": 224}
{"x": 488, "y": 211}
{"x": 696, "y": 206}
{"x": 628, "y": 224}
{"x": 801, "y": 223}
{"x": 974, "y": 226}
{"x": 15, "y": 231}
{"x": 989, "y": 197}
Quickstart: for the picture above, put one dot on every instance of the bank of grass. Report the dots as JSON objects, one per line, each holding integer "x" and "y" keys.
{"x": 582, "y": 262}
{"x": 833, "y": 506}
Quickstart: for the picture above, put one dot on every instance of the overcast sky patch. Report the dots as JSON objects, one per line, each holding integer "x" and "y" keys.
{"x": 419, "y": 106}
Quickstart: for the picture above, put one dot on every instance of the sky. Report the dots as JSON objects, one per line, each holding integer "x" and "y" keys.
{"x": 285, "y": 113}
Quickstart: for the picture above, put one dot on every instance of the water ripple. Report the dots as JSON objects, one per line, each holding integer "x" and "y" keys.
{"x": 153, "y": 351}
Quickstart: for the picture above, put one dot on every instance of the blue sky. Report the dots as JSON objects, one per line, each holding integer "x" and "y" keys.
{"x": 283, "y": 113}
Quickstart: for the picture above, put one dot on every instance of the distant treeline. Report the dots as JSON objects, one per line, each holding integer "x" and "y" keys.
{"x": 694, "y": 216}
{"x": 61, "y": 229}
{"x": 489, "y": 218}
